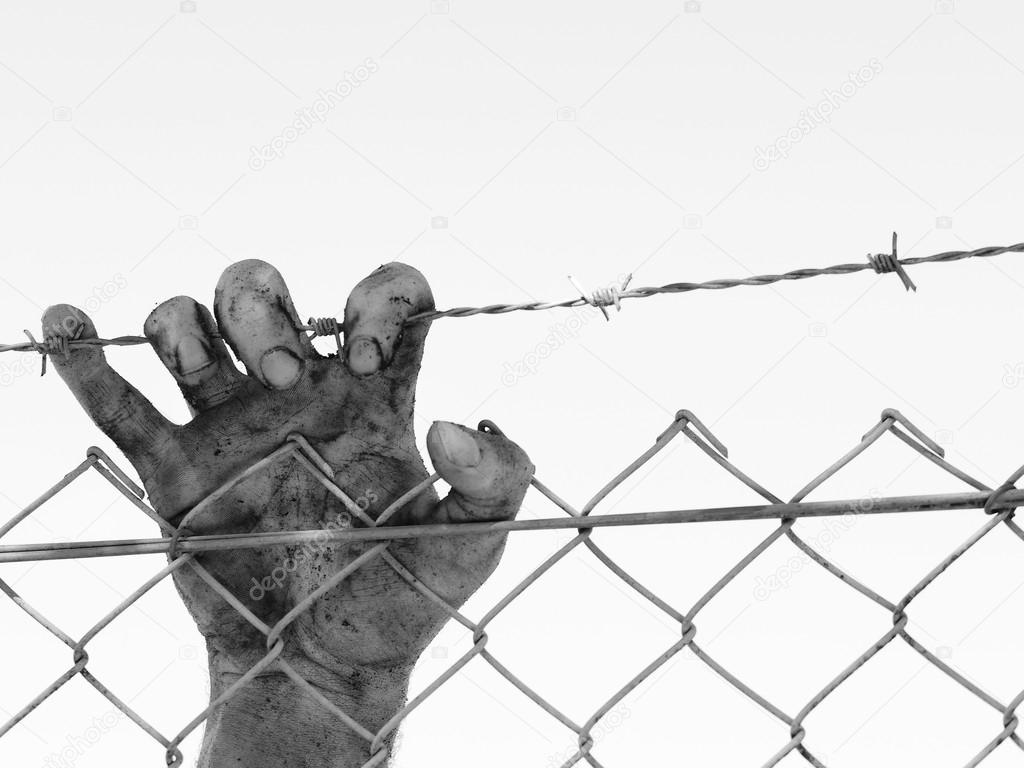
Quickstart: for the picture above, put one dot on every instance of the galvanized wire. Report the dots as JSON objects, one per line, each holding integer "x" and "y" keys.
{"x": 603, "y": 297}
{"x": 998, "y": 508}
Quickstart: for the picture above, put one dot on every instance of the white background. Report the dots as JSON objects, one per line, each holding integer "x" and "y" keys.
{"x": 125, "y": 144}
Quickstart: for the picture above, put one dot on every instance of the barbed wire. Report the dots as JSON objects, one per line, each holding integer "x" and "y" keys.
{"x": 603, "y": 297}
{"x": 998, "y": 505}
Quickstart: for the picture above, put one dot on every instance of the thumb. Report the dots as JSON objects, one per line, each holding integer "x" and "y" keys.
{"x": 488, "y": 473}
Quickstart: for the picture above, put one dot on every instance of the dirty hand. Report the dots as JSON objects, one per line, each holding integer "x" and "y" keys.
{"x": 356, "y": 644}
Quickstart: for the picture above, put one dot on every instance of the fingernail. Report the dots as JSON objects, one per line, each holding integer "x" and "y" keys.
{"x": 363, "y": 355}
{"x": 280, "y": 368}
{"x": 193, "y": 355}
{"x": 459, "y": 448}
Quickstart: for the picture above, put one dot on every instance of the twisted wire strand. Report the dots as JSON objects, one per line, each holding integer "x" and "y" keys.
{"x": 797, "y": 274}
{"x": 880, "y": 263}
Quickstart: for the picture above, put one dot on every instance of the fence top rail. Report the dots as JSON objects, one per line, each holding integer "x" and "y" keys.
{"x": 941, "y": 502}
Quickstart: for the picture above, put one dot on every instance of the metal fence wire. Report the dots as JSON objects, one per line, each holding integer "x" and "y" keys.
{"x": 998, "y": 504}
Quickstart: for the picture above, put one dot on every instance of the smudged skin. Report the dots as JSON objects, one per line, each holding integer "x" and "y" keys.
{"x": 358, "y": 643}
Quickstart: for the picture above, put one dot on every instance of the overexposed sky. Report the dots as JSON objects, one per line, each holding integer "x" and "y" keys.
{"x": 499, "y": 147}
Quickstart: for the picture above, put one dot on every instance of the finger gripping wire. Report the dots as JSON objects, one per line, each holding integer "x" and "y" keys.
{"x": 54, "y": 344}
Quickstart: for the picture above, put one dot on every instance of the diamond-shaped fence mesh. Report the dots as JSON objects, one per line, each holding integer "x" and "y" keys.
{"x": 181, "y": 548}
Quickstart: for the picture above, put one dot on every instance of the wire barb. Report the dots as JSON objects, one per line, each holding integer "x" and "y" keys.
{"x": 325, "y": 326}
{"x": 603, "y": 297}
{"x": 53, "y": 344}
{"x": 884, "y": 263}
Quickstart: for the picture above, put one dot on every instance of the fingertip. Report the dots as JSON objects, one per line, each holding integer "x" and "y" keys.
{"x": 280, "y": 367}
{"x": 452, "y": 444}
{"x": 486, "y": 469}
{"x": 459, "y": 465}
{"x": 375, "y": 320}
{"x": 66, "y": 321}
{"x": 69, "y": 321}
{"x": 245, "y": 271}
{"x": 254, "y": 311}
{"x": 363, "y": 356}
{"x": 409, "y": 276}
{"x": 182, "y": 333}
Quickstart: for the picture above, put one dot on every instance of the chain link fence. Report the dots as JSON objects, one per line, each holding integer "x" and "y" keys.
{"x": 999, "y": 504}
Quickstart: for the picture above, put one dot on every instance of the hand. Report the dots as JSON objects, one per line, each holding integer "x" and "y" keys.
{"x": 356, "y": 644}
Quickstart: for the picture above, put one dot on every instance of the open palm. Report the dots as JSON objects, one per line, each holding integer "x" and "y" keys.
{"x": 357, "y": 643}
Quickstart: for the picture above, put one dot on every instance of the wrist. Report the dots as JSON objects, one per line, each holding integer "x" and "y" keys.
{"x": 274, "y": 722}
